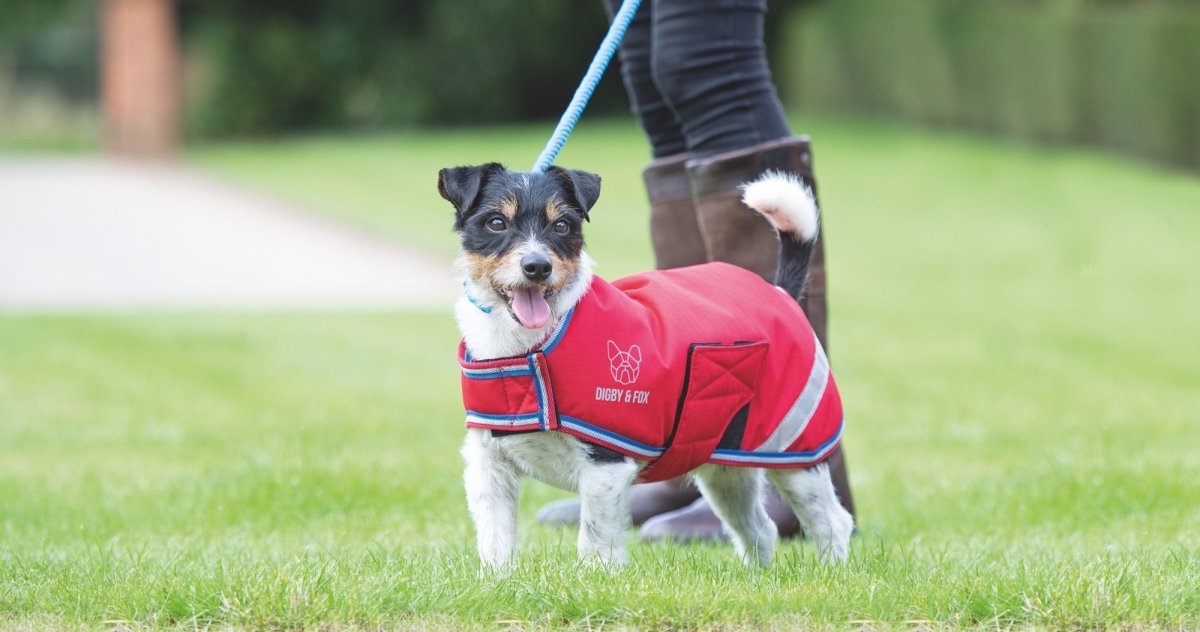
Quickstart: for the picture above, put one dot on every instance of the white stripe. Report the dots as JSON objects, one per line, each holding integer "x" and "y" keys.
{"x": 608, "y": 439}
{"x": 514, "y": 421}
{"x": 540, "y": 386}
{"x": 802, "y": 410}
{"x": 514, "y": 370}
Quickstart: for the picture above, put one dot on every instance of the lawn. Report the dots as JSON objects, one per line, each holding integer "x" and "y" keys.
{"x": 1014, "y": 333}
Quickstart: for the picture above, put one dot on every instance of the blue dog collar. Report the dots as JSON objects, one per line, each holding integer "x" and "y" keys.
{"x": 474, "y": 301}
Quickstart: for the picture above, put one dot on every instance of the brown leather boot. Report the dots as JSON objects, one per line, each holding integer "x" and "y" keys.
{"x": 736, "y": 234}
{"x": 674, "y": 231}
{"x": 733, "y": 232}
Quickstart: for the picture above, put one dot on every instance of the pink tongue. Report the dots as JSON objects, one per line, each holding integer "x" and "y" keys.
{"x": 530, "y": 306}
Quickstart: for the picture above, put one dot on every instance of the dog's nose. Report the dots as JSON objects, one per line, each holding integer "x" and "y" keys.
{"x": 536, "y": 266}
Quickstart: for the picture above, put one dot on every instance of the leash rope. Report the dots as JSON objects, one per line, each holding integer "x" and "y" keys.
{"x": 566, "y": 124}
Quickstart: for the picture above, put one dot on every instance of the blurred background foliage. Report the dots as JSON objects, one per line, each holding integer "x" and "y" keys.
{"x": 277, "y": 65}
{"x": 1114, "y": 73}
{"x": 48, "y": 73}
{"x": 1118, "y": 74}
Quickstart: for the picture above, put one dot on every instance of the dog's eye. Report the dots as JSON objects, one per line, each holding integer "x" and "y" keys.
{"x": 561, "y": 227}
{"x": 496, "y": 224}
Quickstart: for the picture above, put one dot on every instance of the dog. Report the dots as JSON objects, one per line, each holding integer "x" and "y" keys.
{"x": 592, "y": 386}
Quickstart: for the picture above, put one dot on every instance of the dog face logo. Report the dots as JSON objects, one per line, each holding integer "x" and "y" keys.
{"x": 624, "y": 365}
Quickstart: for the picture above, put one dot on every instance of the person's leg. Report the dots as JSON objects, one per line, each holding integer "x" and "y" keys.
{"x": 655, "y": 116}
{"x": 709, "y": 63}
{"x": 674, "y": 230}
{"x": 674, "y": 233}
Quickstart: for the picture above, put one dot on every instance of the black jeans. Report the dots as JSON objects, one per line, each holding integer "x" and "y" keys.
{"x": 697, "y": 76}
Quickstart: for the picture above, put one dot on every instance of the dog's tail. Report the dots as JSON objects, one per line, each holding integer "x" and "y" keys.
{"x": 788, "y": 203}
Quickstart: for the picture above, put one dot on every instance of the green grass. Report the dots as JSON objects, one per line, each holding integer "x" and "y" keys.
{"x": 1014, "y": 336}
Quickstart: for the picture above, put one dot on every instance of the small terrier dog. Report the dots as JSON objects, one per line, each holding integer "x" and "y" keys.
{"x": 591, "y": 386}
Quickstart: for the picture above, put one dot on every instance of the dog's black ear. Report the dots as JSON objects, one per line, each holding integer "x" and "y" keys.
{"x": 461, "y": 186}
{"x": 582, "y": 187}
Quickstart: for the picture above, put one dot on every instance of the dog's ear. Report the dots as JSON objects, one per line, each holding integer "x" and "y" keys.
{"x": 635, "y": 352}
{"x": 582, "y": 188}
{"x": 461, "y": 187}
{"x": 613, "y": 351}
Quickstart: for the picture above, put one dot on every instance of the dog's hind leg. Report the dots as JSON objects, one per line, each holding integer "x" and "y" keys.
{"x": 493, "y": 485}
{"x": 604, "y": 510}
{"x": 735, "y": 494}
{"x": 811, "y": 495}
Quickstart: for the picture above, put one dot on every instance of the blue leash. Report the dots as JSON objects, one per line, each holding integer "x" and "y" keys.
{"x": 583, "y": 93}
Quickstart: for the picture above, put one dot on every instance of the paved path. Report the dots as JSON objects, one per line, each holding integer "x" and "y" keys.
{"x": 90, "y": 234}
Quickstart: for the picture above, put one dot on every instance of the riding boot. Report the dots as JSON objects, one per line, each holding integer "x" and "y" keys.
{"x": 736, "y": 234}
{"x": 674, "y": 230}
{"x": 675, "y": 235}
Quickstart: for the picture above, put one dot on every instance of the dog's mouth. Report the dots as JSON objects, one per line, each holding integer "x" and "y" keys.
{"x": 528, "y": 305}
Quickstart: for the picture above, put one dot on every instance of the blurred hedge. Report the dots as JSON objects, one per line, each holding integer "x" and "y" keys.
{"x": 271, "y": 65}
{"x": 1125, "y": 75}
{"x": 49, "y": 46}
{"x": 281, "y": 65}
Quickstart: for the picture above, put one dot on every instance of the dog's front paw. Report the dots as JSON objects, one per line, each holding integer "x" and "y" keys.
{"x": 610, "y": 561}
{"x": 610, "y": 557}
{"x": 833, "y": 546}
{"x": 496, "y": 565}
{"x": 757, "y": 548}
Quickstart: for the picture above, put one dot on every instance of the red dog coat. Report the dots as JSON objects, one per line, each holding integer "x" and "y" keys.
{"x": 657, "y": 366}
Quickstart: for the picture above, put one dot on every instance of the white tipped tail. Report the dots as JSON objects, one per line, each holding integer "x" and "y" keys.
{"x": 790, "y": 206}
{"x": 786, "y": 202}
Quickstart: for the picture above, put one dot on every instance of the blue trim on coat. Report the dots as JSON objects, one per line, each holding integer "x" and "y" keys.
{"x": 610, "y": 436}
{"x": 496, "y": 373}
{"x": 508, "y": 419}
{"x": 782, "y": 457}
{"x": 559, "y": 333}
{"x": 543, "y": 420}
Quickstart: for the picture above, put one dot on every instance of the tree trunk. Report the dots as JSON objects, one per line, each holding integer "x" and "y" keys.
{"x": 140, "y": 82}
